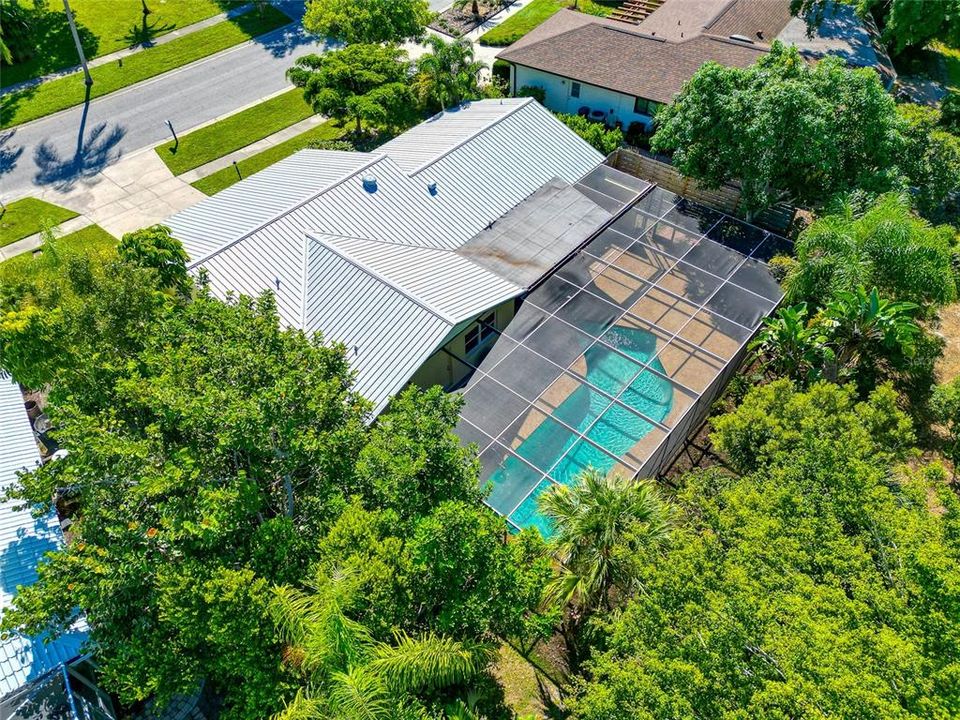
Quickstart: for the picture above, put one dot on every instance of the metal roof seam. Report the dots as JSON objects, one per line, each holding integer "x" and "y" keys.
{"x": 376, "y": 158}
{"x": 343, "y": 254}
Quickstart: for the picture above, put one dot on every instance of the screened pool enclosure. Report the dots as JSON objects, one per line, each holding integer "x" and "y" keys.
{"x": 616, "y": 356}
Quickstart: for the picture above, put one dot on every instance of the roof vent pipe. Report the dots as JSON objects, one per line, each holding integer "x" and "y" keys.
{"x": 432, "y": 187}
{"x": 369, "y": 183}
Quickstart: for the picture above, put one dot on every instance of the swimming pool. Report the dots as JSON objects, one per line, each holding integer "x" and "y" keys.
{"x": 590, "y": 413}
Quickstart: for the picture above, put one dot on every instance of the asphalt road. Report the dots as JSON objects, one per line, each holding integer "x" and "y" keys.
{"x": 71, "y": 147}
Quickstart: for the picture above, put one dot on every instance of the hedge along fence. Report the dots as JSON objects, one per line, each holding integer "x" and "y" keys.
{"x": 657, "y": 169}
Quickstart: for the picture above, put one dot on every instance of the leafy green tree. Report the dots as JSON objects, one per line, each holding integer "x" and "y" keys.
{"x": 215, "y": 449}
{"x": 931, "y": 160}
{"x": 950, "y": 112}
{"x": 363, "y": 83}
{"x": 448, "y": 74}
{"x": 785, "y": 129}
{"x": 790, "y": 344}
{"x": 595, "y": 133}
{"x": 16, "y": 31}
{"x": 945, "y": 404}
{"x": 368, "y": 21}
{"x": 154, "y": 247}
{"x": 347, "y": 674}
{"x": 821, "y": 580}
{"x": 601, "y": 525}
{"x": 886, "y": 246}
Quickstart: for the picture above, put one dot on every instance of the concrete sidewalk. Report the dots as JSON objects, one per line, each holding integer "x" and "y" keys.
{"x": 133, "y": 49}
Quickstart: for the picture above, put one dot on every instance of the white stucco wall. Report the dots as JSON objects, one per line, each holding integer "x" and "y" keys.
{"x": 616, "y": 105}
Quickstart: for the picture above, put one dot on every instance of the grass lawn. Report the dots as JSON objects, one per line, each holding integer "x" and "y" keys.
{"x": 951, "y": 62}
{"x": 518, "y": 25}
{"x": 59, "y": 94}
{"x": 527, "y": 691}
{"x": 602, "y": 8}
{"x": 23, "y": 218}
{"x": 237, "y": 131}
{"x": 104, "y": 26}
{"x": 221, "y": 179}
{"x": 23, "y": 270}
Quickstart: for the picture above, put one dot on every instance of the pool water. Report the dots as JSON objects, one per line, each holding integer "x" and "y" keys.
{"x": 616, "y": 429}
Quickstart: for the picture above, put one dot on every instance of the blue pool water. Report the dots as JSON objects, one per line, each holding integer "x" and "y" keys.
{"x": 616, "y": 428}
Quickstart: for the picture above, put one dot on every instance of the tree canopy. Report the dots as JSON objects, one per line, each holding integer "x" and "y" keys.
{"x": 820, "y": 581}
{"x": 884, "y": 245}
{"x": 785, "y": 129}
{"x": 368, "y": 21}
{"x": 363, "y": 83}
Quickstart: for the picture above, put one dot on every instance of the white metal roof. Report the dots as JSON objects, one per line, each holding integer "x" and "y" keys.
{"x": 433, "y": 188}
{"x": 23, "y": 542}
{"x": 435, "y": 278}
{"x": 261, "y": 198}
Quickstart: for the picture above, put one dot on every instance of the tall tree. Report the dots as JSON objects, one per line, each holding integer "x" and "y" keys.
{"x": 368, "y": 21}
{"x": 931, "y": 162}
{"x": 819, "y": 579}
{"x": 785, "y": 129}
{"x": 448, "y": 74}
{"x": 602, "y": 525}
{"x": 883, "y": 245}
{"x": 363, "y": 83}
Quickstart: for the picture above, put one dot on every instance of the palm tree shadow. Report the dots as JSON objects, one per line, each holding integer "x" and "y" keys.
{"x": 91, "y": 155}
{"x": 142, "y": 35}
{"x": 9, "y": 155}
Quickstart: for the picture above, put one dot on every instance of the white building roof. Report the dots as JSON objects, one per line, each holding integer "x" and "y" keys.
{"x": 395, "y": 217}
{"x": 23, "y": 542}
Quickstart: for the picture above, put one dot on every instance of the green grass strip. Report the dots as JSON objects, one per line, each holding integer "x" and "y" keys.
{"x": 50, "y": 97}
{"x": 23, "y": 218}
{"x": 518, "y": 25}
{"x": 28, "y": 268}
{"x": 221, "y": 179}
{"x": 235, "y": 132}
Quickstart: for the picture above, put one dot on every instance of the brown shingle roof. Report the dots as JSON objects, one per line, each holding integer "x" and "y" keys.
{"x": 617, "y": 56}
{"x": 759, "y": 20}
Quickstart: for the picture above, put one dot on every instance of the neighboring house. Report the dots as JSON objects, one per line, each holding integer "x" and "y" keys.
{"x": 39, "y": 678}
{"x": 377, "y": 251}
{"x": 619, "y": 72}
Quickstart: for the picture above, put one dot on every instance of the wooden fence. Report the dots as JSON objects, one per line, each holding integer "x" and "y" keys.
{"x": 657, "y": 169}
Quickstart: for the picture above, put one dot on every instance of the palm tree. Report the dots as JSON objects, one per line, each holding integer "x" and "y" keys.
{"x": 349, "y": 675}
{"x": 448, "y": 74}
{"x": 600, "y": 525}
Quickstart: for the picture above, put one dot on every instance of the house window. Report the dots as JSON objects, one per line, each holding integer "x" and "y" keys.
{"x": 480, "y": 333}
{"x": 642, "y": 106}
{"x": 575, "y": 90}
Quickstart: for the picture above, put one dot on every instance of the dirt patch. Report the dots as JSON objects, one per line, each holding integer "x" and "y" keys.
{"x": 948, "y": 366}
{"x": 456, "y": 21}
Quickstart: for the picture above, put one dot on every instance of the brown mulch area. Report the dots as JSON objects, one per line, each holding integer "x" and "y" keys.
{"x": 459, "y": 21}
{"x": 948, "y": 366}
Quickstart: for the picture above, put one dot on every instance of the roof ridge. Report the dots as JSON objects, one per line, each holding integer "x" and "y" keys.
{"x": 470, "y": 137}
{"x": 359, "y": 264}
{"x": 374, "y": 159}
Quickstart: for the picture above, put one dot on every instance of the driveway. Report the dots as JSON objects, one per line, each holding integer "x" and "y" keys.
{"x": 63, "y": 152}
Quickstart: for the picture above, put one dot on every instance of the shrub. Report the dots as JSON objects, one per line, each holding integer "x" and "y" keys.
{"x": 534, "y": 91}
{"x": 950, "y": 112}
{"x": 595, "y": 133}
{"x": 501, "y": 69}
{"x": 345, "y": 145}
